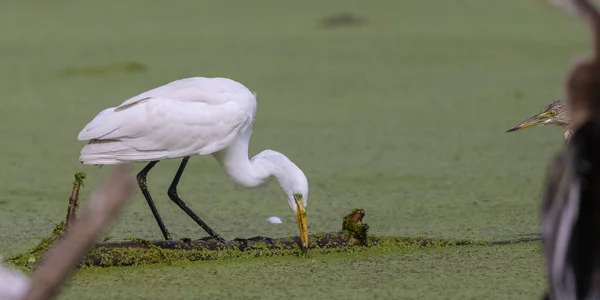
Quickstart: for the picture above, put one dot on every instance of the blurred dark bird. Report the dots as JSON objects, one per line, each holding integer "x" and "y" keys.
{"x": 555, "y": 113}
{"x": 571, "y": 204}
{"x": 571, "y": 218}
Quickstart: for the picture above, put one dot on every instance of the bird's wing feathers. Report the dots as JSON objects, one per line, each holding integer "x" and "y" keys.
{"x": 191, "y": 89}
{"x": 100, "y": 126}
{"x": 149, "y": 127}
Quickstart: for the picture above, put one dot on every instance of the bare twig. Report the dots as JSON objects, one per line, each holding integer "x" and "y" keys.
{"x": 74, "y": 199}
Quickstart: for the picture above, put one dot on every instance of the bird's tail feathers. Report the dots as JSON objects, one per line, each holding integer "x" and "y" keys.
{"x": 108, "y": 152}
{"x": 99, "y": 127}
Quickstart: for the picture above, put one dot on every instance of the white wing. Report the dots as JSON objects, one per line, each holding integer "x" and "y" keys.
{"x": 185, "y": 117}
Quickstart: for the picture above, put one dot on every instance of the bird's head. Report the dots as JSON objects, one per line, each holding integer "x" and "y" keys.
{"x": 297, "y": 193}
{"x": 291, "y": 179}
{"x": 555, "y": 114}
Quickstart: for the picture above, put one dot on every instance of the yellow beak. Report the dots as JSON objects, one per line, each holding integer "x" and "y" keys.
{"x": 301, "y": 219}
{"x": 535, "y": 120}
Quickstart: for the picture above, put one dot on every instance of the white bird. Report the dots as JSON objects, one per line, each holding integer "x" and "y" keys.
{"x": 13, "y": 284}
{"x": 192, "y": 116}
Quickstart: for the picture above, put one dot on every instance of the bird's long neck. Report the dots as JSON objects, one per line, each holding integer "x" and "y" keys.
{"x": 251, "y": 173}
{"x": 568, "y": 134}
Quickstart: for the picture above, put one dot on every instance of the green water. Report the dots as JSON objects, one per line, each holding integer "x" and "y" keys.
{"x": 401, "y": 113}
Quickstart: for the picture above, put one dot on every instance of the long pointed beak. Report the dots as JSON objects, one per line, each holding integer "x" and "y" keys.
{"x": 301, "y": 219}
{"x": 535, "y": 120}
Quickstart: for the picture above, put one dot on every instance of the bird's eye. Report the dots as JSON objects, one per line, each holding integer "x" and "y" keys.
{"x": 552, "y": 113}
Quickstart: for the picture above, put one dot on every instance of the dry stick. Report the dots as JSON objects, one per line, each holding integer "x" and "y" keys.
{"x": 74, "y": 199}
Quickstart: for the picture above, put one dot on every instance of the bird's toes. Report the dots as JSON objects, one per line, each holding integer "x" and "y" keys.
{"x": 216, "y": 238}
{"x": 263, "y": 239}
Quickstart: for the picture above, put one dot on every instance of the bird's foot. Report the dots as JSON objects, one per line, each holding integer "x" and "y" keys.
{"x": 217, "y": 238}
{"x": 245, "y": 243}
{"x": 263, "y": 239}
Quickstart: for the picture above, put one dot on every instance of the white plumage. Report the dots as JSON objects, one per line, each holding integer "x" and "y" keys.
{"x": 192, "y": 116}
{"x": 185, "y": 117}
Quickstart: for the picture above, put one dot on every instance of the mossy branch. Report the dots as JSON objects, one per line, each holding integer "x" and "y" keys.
{"x": 31, "y": 258}
{"x": 74, "y": 199}
{"x": 353, "y": 237}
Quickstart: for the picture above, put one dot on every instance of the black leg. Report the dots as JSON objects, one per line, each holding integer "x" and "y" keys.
{"x": 175, "y": 198}
{"x": 141, "y": 179}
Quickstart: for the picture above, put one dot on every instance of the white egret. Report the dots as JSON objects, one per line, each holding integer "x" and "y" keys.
{"x": 192, "y": 116}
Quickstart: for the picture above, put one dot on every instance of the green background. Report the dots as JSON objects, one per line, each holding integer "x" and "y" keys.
{"x": 402, "y": 114}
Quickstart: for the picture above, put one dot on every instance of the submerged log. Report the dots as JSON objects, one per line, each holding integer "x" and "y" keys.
{"x": 353, "y": 234}
{"x": 133, "y": 252}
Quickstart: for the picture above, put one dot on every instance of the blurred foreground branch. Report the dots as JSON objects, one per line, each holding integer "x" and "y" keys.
{"x": 63, "y": 257}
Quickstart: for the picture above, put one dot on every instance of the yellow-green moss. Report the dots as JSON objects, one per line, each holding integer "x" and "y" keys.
{"x": 78, "y": 183}
{"x": 353, "y": 237}
{"x": 113, "y": 257}
{"x": 353, "y": 227}
{"x": 28, "y": 260}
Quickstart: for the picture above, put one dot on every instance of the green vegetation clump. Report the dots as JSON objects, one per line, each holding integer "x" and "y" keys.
{"x": 353, "y": 237}
{"x": 29, "y": 259}
{"x": 354, "y": 228}
{"x": 129, "y": 256}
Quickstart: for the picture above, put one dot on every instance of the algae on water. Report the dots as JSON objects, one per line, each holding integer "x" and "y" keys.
{"x": 353, "y": 227}
{"x": 30, "y": 259}
{"x": 352, "y": 237}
